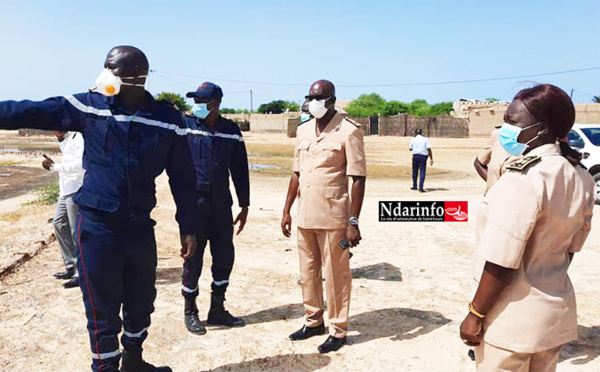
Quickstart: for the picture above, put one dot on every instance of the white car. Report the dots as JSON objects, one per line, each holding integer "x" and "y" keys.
{"x": 586, "y": 139}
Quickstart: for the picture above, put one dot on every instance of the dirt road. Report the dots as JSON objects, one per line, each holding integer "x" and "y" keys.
{"x": 410, "y": 289}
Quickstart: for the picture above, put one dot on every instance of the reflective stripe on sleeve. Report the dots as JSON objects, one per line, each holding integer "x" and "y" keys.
{"x": 151, "y": 122}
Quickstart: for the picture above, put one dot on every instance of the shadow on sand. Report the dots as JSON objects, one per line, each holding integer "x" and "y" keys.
{"x": 585, "y": 349}
{"x": 287, "y": 362}
{"x": 398, "y": 323}
{"x": 381, "y": 271}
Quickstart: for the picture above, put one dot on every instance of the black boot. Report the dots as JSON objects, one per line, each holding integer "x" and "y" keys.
{"x": 133, "y": 362}
{"x": 217, "y": 315}
{"x": 73, "y": 283}
{"x": 67, "y": 274}
{"x": 192, "y": 322}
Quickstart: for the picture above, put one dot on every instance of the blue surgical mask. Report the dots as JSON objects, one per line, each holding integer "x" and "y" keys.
{"x": 304, "y": 116}
{"x": 508, "y": 135}
{"x": 200, "y": 110}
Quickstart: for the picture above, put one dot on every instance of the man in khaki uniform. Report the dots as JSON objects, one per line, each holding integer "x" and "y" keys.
{"x": 492, "y": 160}
{"x": 329, "y": 149}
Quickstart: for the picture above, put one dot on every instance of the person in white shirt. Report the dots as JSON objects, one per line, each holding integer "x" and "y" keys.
{"x": 70, "y": 178}
{"x": 421, "y": 149}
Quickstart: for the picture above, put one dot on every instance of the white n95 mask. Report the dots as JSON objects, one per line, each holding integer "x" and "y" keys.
{"x": 317, "y": 108}
{"x": 109, "y": 84}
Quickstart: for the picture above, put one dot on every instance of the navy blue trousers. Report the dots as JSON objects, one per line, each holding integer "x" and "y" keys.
{"x": 216, "y": 227}
{"x": 116, "y": 257}
{"x": 419, "y": 165}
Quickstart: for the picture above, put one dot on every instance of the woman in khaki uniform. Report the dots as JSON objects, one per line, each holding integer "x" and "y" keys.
{"x": 529, "y": 226}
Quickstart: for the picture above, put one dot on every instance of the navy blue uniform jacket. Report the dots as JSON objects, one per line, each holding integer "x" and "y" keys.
{"x": 124, "y": 152}
{"x": 216, "y": 155}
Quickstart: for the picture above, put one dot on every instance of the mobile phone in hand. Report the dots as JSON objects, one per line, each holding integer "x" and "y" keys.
{"x": 344, "y": 243}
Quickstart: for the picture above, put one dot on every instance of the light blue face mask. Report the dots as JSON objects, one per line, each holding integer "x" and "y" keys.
{"x": 200, "y": 110}
{"x": 508, "y": 135}
{"x": 304, "y": 116}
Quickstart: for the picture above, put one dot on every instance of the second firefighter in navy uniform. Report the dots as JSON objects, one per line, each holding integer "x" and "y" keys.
{"x": 218, "y": 151}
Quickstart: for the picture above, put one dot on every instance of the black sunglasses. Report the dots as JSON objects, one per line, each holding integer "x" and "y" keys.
{"x": 317, "y": 97}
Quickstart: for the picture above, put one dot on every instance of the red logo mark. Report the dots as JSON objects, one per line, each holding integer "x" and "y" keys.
{"x": 456, "y": 211}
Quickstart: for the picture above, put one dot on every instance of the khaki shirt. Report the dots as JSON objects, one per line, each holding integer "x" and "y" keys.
{"x": 324, "y": 163}
{"x": 529, "y": 222}
{"x": 495, "y": 158}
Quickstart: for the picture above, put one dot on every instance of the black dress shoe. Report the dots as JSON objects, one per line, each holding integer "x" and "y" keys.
{"x": 67, "y": 274}
{"x": 307, "y": 332}
{"x": 74, "y": 282}
{"x": 332, "y": 344}
{"x": 413, "y": 188}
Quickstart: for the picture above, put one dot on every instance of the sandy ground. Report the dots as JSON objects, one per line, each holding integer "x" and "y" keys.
{"x": 410, "y": 289}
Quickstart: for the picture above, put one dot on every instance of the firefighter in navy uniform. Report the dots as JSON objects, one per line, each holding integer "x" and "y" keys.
{"x": 130, "y": 139}
{"x": 218, "y": 150}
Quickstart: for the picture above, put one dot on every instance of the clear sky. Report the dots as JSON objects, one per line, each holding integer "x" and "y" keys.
{"x": 58, "y": 47}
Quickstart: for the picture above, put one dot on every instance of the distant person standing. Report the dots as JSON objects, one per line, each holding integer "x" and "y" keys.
{"x": 305, "y": 114}
{"x": 70, "y": 178}
{"x": 492, "y": 160}
{"x": 421, "y": 149}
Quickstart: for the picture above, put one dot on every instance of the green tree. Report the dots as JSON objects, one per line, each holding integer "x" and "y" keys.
{"x": 366, "y": 105}
{"x": 278, "y": 107}
{"x": 418, "y": 107}
{"x": 442, "y": 108}
{"x": 491, "y": 99}
{"x": 175, "y": 99}
{"x": 292, "y": 106}
{"x": 391, "y": 108}
{"x": 596, "y": 99}
{"x": 233, "y": 111}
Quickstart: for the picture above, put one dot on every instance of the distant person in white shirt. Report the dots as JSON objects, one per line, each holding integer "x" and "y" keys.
{"x": 70, "y": 178}
{"x": 421, "y": 149}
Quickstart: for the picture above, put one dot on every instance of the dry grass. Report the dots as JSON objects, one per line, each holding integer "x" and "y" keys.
{"x": 387, "y": 157}
{"x": 12, "y": 216}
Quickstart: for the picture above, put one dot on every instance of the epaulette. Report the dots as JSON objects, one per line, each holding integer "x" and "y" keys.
{"x": 358, "y": 125}
{"x": 521, "y": 164}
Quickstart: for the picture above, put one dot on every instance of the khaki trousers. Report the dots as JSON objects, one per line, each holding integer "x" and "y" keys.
{"x": 320, "y": 248}
{"x": 491, "y": 358}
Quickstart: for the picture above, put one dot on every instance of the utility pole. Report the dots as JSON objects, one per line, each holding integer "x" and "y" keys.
{"x": 148, "y": 79}
{"x": 251, "y": 105}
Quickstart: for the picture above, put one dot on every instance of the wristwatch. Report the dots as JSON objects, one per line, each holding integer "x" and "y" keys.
{"x": 353, "y": 221}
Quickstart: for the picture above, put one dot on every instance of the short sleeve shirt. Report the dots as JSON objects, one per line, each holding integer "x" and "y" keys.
{"x": 530, "y": 221}
{"x": 324, "y": 163}
{"x": 419, "y": 145}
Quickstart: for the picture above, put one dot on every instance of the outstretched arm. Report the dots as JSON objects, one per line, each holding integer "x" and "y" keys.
{"x": 56, "y": 113}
